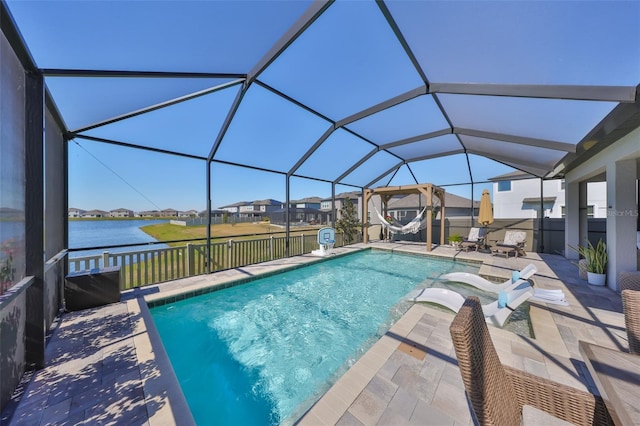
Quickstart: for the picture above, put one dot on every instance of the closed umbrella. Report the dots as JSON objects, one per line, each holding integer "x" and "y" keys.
{"x": 485, "y": 216}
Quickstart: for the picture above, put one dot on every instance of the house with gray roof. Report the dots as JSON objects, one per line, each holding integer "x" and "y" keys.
{"x": 96, "y": 213}
{"x": 74, "y": 212}
{"x": 405, "y": 208}
{"x": 121, "y": 213}
{"x": 354, "y": 196}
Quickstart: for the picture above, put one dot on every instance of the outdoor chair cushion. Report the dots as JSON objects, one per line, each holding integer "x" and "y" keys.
{"x": 513, "y": 238}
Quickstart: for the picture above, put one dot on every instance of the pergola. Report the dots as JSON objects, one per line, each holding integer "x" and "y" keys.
{"x": 426, "y": 189}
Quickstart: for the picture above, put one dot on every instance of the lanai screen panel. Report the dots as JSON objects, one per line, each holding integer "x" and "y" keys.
{"x": 232, "y": 184}
{"x": 84, "y": 101}
{"x": 484, "y": 169}
{"x": 428, "y": 147}
{"x": 202, "y": 36}
{"x": 270, "y": 132}
{"x": 536, "y": 157}
{"x": 135, "y": 179}
{"x": 411, "y": 118}
{"x": 346, "y": 61}
{"x": 188, "y": 127}
{"x": 550, "y": 119}
{"x": 399, "y": 177}
{"x": 451, "y": 169}
{"x": 572, "y": 43}
{"x": 338, "y": 153}
{"x": 371, "y": 169}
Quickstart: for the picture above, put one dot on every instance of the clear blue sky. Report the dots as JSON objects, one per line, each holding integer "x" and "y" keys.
{"x": 347, "y": 61}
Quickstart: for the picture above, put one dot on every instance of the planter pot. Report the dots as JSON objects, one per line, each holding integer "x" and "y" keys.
{"x": 596, "y": 279}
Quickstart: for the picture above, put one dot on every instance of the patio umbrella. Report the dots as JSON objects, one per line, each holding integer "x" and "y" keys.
{"x": 485, "y": 216}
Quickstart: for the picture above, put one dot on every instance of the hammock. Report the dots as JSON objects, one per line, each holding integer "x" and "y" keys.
{"x": 412, "y": 227}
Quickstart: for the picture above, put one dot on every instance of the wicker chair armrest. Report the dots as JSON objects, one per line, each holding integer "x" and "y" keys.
{"x": 561, "y": 401}
{"x": 631, "y": 309}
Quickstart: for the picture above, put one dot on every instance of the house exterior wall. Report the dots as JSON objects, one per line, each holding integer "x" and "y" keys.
{"x": 121, "y": 213}
{"x": 510, "y": 203}
{"x": 75, "y": 213}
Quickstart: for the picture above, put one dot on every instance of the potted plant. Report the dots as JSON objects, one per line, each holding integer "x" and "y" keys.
{"x": 455, "y": 239}
{"x": 596, "y": 258}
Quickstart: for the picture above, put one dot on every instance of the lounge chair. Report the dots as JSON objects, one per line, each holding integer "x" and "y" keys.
{"x": 513, "y": 242}
{"x": 500, "y": 395}
{"x": 494, "y": 314}
{"x": 486, "y": 285}
{"x": 473, "y": 241}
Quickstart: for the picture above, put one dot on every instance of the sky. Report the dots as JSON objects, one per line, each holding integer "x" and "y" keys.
{"x": 347, "y": 61}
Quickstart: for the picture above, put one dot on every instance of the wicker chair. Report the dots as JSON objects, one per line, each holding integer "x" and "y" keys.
{"x": 631, "y": 309}
{"x": 498, "y": 393}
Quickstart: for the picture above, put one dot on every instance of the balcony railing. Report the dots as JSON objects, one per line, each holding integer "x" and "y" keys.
{"x": 145, "y": 267}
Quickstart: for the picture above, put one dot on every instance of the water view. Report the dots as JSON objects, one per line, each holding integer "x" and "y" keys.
{"x": 100, "y": 233}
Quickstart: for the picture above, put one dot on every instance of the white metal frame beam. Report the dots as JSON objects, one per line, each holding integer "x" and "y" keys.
{"x": 520, "y": 140}
{"x": 622, "y": 94}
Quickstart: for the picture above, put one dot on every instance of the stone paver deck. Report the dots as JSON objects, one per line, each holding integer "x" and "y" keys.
{"x": 107, "y": 365}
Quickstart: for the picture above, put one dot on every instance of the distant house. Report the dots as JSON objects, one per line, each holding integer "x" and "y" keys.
{"x": 355, "y": 197}
{"x": 73, "y": 212}
{"x": 121, "y": 213}
{"x": 306, "y": 203}
{"x": 235, "y": 207}
{"x": 517, "y": 195}
{"x": 8, "y": 213}
{"x": 407, "y": 207}
{"x": 169, "y": 213}
{"x": 214, "y": 213}
{"x": 96, "y": 213}
{"x": 188, "y": 213}
{"x": 148, "y": 213}
{"x": 302, "y": 215}
{"x": 258, "y": 209}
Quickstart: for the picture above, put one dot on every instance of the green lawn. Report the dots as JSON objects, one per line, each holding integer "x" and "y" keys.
{"x": 238, "y": 231}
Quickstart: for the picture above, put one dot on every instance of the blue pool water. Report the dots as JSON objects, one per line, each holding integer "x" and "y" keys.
{"x": 263, "y": 352}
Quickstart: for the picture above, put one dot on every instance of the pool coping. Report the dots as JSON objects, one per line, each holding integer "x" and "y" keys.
{"x": 162, "y": 297}
{"x": 147, "y": 302}
{"x": 594, "y": 315}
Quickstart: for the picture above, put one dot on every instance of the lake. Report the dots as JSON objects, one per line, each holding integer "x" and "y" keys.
{"x": 98, "y": 233}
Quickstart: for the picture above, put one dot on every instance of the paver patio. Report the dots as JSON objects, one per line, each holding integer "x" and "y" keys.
{"x": 106, "y": 365}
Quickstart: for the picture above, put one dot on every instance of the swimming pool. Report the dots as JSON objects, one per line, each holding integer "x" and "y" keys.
{"x": 263, "y": 352}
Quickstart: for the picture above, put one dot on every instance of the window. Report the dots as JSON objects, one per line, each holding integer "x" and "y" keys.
{"x": 562, "y": 185}
{"x": 590, "y": 211}
{"x": 504, "y": 185}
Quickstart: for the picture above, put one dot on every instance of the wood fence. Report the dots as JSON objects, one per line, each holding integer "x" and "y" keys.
{"x": 145, "y": 267}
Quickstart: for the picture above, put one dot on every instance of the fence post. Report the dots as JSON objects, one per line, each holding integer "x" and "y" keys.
{"x": 301, "y": 243}
{"x": 271, "y": 247}
{"x": 105, "y": 259}
{"x": 190, "y": 260}
{"x": 229, "y": 254}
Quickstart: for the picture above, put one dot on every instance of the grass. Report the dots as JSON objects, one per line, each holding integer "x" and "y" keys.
{"x": 77, "y": 219}
{"x": 238, "y": 231}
